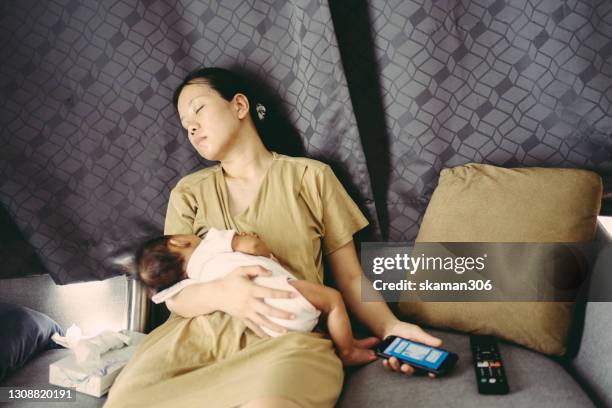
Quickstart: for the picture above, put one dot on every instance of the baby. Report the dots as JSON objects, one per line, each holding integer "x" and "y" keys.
{"x": 168, "y": 264}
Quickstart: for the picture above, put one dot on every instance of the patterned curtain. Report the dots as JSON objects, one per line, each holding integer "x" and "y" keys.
{"x": 387, "y": 92}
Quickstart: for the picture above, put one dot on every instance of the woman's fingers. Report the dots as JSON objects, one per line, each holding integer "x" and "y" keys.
{"x": 413, "y": 332}
{"x": 263, "y": 321}
{"x": 256, "y": 329}
{"x": 253, "y": 271}
{"x": 267, "y": 310}
{"x": 265, "y": 292}
{"x": 394, "y": 364}
{"x": 407, "y": 369}
{"x": 422, "y": 336}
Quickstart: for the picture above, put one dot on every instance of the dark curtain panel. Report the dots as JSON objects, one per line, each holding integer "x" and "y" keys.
{"x": 506, "y": 82}
{"x": 92, "y": 144}
{"x": 387, "y": 92}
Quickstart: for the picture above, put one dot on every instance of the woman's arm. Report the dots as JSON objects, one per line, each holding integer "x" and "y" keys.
{"x": 197, "y": 299}
{"x": 347, "y": 273}
{"x": 375, "y": 315}
{"x": 235, "y": 294}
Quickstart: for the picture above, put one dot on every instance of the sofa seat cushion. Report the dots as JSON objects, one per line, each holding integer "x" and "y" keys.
{"x": 535, "y": 381}
{"x": 592, "y": 364}
{"x": 36, "y": 373}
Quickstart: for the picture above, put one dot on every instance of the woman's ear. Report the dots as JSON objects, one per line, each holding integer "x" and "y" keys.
{"x": 242, "y": 105}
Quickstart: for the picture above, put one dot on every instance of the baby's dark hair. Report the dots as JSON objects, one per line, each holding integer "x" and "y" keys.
{"x": 157, "y": 266}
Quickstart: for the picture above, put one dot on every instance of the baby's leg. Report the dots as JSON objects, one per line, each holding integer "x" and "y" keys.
{"x": 329, "y": 302}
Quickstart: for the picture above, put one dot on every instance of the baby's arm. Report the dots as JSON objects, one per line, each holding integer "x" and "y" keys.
{"x": 250, "y": 243}
{"x": 329, "y": 301}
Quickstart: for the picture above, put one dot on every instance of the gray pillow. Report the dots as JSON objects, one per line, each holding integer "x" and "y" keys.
{"x": 25, "y": 332}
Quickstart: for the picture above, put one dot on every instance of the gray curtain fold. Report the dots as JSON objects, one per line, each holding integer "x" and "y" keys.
{"x": 506, "y": 82}
{"x": 92, "y": 144}
{"x": 387, "y": 92}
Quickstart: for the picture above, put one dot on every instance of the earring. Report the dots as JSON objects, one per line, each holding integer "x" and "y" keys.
{"x": 261, "y": 111}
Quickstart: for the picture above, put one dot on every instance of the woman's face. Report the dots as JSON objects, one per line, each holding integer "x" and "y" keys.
{"x": 212, "y": 123}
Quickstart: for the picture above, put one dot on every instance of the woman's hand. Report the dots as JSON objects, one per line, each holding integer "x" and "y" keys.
{"x": 244, "y": 299}
{"x": 359, "y": 353}
{"x": 410, "y": 332}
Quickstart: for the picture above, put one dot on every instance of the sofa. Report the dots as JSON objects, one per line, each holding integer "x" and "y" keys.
{"x": 580, "y": 379}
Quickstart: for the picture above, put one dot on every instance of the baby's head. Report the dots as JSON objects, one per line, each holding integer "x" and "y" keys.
{"x": 161, "y": 262}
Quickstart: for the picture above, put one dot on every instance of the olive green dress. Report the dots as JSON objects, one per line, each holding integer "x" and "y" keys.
{"x": 301, "y": 211}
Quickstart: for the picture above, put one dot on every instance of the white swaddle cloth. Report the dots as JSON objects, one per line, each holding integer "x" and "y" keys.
{"x": 214, "y": 259}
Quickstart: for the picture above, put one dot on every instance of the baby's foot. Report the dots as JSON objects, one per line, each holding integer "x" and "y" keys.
{"x": 359, "y": 353}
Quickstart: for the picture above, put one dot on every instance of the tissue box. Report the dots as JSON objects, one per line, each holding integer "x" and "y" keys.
{"x": 95, "y": 381}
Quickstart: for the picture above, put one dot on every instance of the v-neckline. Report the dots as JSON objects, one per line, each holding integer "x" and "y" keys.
{"x": 256, "y": 198}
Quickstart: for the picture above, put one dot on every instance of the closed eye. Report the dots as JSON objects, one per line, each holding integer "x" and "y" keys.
{"x": 199, "y": 109}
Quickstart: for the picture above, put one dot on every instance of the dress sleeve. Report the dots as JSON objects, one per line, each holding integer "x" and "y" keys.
{"x": 181, "y": 212}
{"x": 341, "y": 216}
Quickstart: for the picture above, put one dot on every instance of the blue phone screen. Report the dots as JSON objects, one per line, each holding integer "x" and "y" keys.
{"x": 421, "y": 354}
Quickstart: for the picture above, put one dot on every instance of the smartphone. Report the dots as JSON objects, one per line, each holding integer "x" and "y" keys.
{"x": 421, "y": 356}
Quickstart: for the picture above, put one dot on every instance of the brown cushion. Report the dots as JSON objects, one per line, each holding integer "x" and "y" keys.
{"x": 483, "y": 203}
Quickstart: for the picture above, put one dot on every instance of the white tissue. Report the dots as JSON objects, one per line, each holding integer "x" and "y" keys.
{"x": 88, "y": 350}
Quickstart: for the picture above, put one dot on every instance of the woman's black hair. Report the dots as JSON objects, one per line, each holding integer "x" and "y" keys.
{"x": 225, "y": 82}
{"x": 276, "y": 133}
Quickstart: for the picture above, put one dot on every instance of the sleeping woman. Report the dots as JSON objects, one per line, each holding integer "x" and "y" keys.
{"x": 213, "y": 350}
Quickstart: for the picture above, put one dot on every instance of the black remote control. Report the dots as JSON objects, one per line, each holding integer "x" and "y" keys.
{"x": 490, "y": 374}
